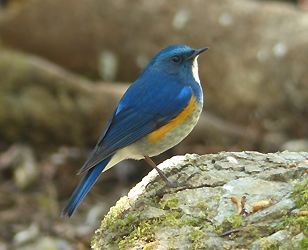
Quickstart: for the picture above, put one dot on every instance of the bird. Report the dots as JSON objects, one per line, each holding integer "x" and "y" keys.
{"x": 155, "y": 113}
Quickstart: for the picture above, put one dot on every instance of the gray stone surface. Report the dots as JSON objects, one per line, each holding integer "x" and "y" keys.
{"x": 202, "y": 215}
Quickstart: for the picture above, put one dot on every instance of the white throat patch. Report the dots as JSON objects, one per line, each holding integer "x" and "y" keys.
{"x": 195, "y": 70}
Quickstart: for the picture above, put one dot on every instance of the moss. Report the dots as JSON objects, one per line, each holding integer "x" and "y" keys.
{"x": 171, "y": 219}
{"x": 189, "y": 222}
{"x": 217, "y": 198}
{"x": 160, "y": 181}
{"x": 202, "y": 205}
{"x": 296, "y": 225}
{"x": 150, "y": 245}
{"x": 303, "y": 244}
{"x": 127, "y": 227}
{"x": 266, "y": 244}
{"x": 233, "y": 221}
{"x": 132, "y": 229}
{"x": 124, "y": 227}
{"x": 112, "y": 220}
{"x": 300, "y": 194}
{"x": 227, "y": 247}
{"x": 171, "y": 247}
{"x": 196, "y": 238}
{"x": 202, "y": 218}
{"x": 203, "y": 168}
{"x": 156, "y": 199}
{"x": 254, "y": 233}
{"x": 149, "y": 187}
{"x": 144, "y": 232}
{"x": 126, "y": 242}
{"x": 167, "y": 204}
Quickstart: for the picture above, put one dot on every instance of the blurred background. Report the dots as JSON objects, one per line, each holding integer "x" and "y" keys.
{"x": 64, "y": 65}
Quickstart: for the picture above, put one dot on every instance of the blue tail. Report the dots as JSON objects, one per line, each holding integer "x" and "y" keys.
{"x": 84, "y": 187}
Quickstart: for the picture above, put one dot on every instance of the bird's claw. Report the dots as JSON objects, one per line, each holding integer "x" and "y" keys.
{"x": 185, "y": 183}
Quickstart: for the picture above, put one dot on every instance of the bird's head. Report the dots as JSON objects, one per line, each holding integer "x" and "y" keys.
{"x": 176, "y": 60}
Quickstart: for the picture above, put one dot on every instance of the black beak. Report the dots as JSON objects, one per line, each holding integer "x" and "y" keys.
{"x": 197, "y": 52}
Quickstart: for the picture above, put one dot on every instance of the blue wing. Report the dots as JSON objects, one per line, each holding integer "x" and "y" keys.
{"x": 143, "y": 109}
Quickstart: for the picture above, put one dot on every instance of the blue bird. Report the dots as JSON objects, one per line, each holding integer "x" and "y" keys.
{"x": 156, "y": 113}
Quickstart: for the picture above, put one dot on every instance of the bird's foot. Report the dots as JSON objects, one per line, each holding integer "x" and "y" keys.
{"x": 170, "y": 184}
{"x": 175, "y": 183}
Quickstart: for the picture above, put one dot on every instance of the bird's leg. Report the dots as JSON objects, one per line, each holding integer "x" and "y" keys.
{"x": 153, "y": 165}
{"x": 162, "y": 175}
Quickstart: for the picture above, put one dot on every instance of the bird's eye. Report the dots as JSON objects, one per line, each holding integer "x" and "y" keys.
{"x": 175, "y": 58}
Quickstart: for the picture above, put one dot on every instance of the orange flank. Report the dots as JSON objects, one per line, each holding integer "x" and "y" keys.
{"x": 162, "y": 131}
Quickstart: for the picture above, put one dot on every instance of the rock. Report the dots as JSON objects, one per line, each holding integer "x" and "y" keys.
{"x": 253, "y": 189}
{"x": 51, "y": 102}
{"x": 21, "y": 160}
{"x": 26, "y": 235}
{"x": 202, "y": 215}
{"x": 296, "y": 145}
{"x": 271, "y": 241}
